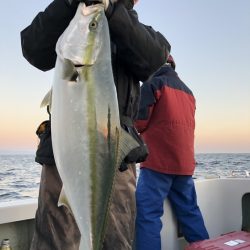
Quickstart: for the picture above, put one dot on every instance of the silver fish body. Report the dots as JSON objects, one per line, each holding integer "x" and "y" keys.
{"x": 88, "y": 141}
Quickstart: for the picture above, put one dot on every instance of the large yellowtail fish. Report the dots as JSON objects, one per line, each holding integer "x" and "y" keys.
{"x": 88, "y": 141}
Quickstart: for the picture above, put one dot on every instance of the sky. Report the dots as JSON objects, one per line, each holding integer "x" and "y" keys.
{"x": 211, "y": 46}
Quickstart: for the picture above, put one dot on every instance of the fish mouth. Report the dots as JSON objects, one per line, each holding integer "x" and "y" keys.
{"x": 79, "y": 66}
{"x": 72, "y": 70}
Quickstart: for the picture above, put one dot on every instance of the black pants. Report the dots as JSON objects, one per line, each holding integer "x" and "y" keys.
{"x": 56, "y": 229}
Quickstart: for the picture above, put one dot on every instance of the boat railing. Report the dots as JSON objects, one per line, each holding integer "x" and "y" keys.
{"x": 18, "y": 210}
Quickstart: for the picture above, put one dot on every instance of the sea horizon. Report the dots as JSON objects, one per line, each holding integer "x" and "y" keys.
{"x": 20, "y": 174}
{"x": 33, "y": 152}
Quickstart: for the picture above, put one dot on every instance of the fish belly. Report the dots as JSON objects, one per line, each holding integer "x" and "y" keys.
{"x": 85, "y": 134}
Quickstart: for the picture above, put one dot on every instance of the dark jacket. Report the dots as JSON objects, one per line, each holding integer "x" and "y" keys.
{"x": 137, "y": 50}
{"x": 166, "y": 122}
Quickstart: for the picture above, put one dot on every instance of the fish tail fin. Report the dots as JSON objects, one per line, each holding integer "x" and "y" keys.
{"x": 47, "y": 99}
{"x": 63, "y": 200}
{"x": 126, "y": 144}
{"x": 82, "y": 246}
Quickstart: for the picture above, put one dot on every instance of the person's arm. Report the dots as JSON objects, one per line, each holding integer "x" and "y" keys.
{"x": 39, "y": 39}
{"x": 140, "y": 47}
{"x": 142, "y": 123}
{"x": 149, "y": 98}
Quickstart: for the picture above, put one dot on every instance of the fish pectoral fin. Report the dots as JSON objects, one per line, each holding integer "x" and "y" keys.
{"x": 47, "y": 99}
{"x": 63, "y": 201}
{"x": 70, "y": 71}
{"x": 126, "y": 144}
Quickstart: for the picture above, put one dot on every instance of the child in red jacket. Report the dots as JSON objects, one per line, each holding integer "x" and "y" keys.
{"x": 166, "y": 122}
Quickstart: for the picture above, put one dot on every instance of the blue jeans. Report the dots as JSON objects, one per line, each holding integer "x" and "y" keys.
{"x": 152, "y": 188}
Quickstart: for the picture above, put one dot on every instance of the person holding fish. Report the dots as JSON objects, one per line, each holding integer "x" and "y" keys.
{"x": 137, "y": 50}
{"x": 166, "y": 121}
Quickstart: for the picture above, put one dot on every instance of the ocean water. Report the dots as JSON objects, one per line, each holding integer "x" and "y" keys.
{"x": 20, "y": 174}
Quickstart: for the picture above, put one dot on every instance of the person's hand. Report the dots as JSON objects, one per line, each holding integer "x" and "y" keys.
{"x": 123, "y": 167}
{"x": 91, "y": 2}
{"x": 129, "y": 4}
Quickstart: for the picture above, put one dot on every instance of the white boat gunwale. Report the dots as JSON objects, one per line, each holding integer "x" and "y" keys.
{"x": 220, "y": 200}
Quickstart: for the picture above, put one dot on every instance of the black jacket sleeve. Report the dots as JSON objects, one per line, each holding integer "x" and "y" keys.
{"x": 39, "y": 39}
{"x": 140, "y": 47}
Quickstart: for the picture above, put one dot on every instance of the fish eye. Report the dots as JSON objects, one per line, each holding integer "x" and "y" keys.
{"x": 93, "y": 25}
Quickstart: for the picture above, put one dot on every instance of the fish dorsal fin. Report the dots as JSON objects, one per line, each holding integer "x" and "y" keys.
{"x": 47, "y": 99}
{"x": 126, "y": 144}
{"x": 63, "y": 200}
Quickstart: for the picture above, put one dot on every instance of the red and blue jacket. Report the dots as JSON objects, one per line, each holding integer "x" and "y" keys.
{"x": 166, "y": 122}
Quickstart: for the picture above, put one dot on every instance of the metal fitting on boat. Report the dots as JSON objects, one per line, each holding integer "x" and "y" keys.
{"x": 5, "y": 245}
